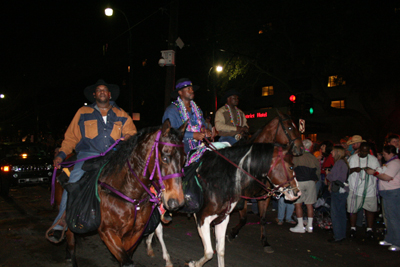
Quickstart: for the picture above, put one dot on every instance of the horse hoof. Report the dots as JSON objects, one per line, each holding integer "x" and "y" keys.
{"x": 230, "y": 237}
{"x": 268, "y": 249}
{"x": 150, "y": 254}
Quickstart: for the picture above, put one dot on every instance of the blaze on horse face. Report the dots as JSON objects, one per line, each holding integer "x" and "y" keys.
{"x": 172, "y": 197}
{"x": 283, "y": 176}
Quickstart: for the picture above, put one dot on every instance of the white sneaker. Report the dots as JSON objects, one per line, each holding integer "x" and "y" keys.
{"x": 384, "y": 243}
{"x": 394, "y": 248}
{"x": 309, "y": 229}
{"x": 297, "y": 229}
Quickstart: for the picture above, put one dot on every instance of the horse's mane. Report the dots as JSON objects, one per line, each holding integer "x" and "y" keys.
{"x": 220, "y": 175}
{"x": 118, "y": 158}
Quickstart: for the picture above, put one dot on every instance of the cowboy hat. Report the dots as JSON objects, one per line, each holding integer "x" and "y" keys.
{"x": 181, "y": 84}
{"x": 230, "y": 93}
{"x": 113, "y": 88}
{"x": 355, "y": 139}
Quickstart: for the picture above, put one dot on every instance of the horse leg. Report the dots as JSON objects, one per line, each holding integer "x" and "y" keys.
{"x": 242, "y": 222}
{"x": 220, "y": 231}
{"x": 149, "y": 249}
{"x": 159, "y": 234}
{"x": 262, "y": 207}
{"x": 205, "y": 235}
{"x": 114, "y": 244}
{"x": 71, "y": 243}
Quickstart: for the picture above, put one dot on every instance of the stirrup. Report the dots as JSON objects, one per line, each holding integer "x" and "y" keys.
{"x": 50, "y": 232}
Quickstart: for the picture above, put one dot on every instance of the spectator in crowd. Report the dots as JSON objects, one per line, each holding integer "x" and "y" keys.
{"x": 285, "y": 211}
{"x": 354, "y": 144}
{"x": 308, "y": 171}
{"x": 326, "y": 162}
{"x": 362, "y": 194}
{"x": 389, "y": 189}
{"x": 338, "y": 176}
{"x": 208, "y": 123}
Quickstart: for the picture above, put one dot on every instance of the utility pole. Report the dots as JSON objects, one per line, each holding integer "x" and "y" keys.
{"x": 172, "y": 36}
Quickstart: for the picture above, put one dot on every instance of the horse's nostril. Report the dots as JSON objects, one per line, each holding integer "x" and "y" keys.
{"x": 173, "y": 204}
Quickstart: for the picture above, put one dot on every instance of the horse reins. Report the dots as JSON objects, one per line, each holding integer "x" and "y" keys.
{"x": 270, "y": 192}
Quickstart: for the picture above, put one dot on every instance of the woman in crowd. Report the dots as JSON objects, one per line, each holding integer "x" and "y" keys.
{"x": 389, "y": 189}
{"x": 339, "y": 194}
{"x": 326, "y": 160}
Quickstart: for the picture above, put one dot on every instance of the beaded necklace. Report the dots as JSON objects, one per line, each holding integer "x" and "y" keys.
{"x": 184, "y": 115}
{"x": 239, "y": 119}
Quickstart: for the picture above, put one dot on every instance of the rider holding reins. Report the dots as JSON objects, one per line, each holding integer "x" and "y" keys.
{"x": 92, "y": 131}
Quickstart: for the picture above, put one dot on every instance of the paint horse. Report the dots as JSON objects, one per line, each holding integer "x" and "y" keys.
{"x": 280, "y": 130}
{"x": 225, "y": 184}
{"x": 126, "y": 203}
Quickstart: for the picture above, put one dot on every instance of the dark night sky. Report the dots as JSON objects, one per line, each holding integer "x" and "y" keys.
{"x": 52, "y": 50}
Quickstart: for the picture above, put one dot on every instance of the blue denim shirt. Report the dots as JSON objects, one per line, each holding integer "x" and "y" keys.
{"x": 172, "y": 113}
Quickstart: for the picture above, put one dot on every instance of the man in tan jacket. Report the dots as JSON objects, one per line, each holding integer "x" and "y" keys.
{"x": 230, "y": 122}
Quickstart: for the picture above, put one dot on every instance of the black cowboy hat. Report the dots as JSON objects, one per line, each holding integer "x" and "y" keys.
{"x": 113, "y": 88}
{"x": 231, "y": 93}
{"x": 181, "y": 84}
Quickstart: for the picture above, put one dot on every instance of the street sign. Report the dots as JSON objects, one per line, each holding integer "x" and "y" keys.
{"x": 302, "y": 125}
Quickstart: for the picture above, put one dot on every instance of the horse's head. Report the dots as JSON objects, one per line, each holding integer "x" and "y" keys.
{"x": 288, "y": 133}
{"x": 281, "y": 174}
{"x": 172, "y": 158}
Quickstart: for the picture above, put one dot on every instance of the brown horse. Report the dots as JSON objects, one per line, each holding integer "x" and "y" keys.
{"x": 280, "y": 130}
{"x": 224, "y": 185}
{"x": 126, "y": 204}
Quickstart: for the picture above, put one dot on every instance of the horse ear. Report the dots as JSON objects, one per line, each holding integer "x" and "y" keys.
{"x": 166, "y": 127}
{"x": 183, "y": 127}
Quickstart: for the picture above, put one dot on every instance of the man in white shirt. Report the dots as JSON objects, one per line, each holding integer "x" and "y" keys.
{"x": 362, "y": 186}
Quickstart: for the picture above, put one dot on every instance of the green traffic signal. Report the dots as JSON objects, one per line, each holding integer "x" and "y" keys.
{"x": 311, "y": 110}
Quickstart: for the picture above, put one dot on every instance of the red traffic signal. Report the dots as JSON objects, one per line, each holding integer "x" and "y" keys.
{"x": 292, "y": 98}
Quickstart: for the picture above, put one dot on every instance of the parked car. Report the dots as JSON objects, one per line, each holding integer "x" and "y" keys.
{"x": 23, "y": 164}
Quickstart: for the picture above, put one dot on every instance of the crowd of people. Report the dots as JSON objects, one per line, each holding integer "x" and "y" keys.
{"x": 360, "y": 182}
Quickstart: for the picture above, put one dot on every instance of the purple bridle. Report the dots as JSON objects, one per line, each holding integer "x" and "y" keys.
{"x": 161, "y": 178}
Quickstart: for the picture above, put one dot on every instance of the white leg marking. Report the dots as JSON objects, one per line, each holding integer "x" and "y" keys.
{"x": 159, "y": 233}
{"x": 149, "y": 249}
{"x": 220, "y": 232}
{"x": 204, "y": 232}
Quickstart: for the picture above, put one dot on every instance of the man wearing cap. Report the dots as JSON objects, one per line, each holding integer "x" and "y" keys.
{"x": 185, "y": 109}
{"x": 362, "y": 194}
{"x": 92, "y": 131}
{"x": 230, "y": 122}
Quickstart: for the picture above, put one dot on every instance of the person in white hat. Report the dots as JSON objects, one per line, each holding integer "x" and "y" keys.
{"x": 355, "y": 142}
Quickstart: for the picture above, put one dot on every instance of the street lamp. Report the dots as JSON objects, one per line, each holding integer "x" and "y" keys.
{"x": 109, "y": 12}
{"x": 2, "y": 95}
{"x": 219, "y": 69}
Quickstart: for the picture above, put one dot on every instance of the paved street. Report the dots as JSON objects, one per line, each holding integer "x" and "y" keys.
{"x": 25, "y": 217}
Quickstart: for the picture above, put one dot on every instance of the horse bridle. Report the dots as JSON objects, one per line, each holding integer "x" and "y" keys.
{"x": 283, "y": 186}
{"x": 281, "y": 120}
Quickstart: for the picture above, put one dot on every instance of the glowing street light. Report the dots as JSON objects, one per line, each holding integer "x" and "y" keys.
{"x": 109, "y": 12}
{"x": 2, "y": 96}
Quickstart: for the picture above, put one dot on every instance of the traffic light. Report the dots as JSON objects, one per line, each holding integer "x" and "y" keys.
{"x": 311, "y": 110}
{"x": 292, "y": 98}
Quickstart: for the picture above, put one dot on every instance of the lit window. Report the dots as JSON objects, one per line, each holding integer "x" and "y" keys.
{"x": 268, "y": 90}
{"x": 312, "y": 137}
{"x": 335, "y": 81}
{"x": 337, "y": 104}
